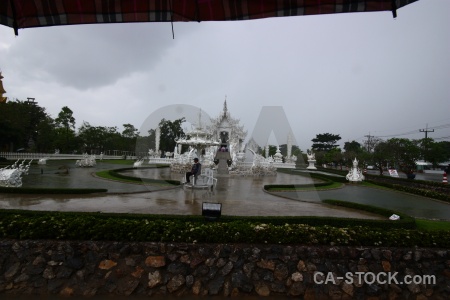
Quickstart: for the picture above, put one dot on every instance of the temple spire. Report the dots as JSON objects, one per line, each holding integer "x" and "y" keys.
{"x": 225, "y": 109}
{"x": 200, "y": 119}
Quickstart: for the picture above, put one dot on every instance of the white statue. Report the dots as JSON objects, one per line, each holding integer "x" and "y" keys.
{"x": 310, "y": 154}
{"x": 355, "y": 175}
{"x": 87, "y": 161}
{"x": 42, "y": 161}
{"x": 11, "y": 176}
{"x": 138, "y": 163}
{"x": 278, "y": 157}
{"x": 311, "y": 159}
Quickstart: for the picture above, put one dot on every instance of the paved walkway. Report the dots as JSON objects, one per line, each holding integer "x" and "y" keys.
{"x": 239, "y": 196}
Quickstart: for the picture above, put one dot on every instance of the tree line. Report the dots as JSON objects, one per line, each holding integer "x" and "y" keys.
{"x": 26, "y": 126}
{"x": 399, "y": 153}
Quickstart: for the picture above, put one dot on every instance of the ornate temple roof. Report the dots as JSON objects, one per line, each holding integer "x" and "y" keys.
{"x": 225, "y": 121}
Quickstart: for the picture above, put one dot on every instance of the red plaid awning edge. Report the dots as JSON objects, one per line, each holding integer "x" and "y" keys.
{"x": 38, "y": 13}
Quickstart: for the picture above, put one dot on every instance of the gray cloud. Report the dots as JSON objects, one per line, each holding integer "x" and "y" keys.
{"x": 347, "y": 74}
{"x": 86, "y": 56}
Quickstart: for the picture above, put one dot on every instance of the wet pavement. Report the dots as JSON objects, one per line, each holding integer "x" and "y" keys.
{"x": 240, "y": 196}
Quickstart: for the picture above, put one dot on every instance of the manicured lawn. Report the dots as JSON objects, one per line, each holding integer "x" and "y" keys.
{"x": 334, "y": 185}
{"x": 423, "y": 224}
{"x": 117, "y": 161}
{"x": 106, "y": 175}
{"x": 369, "y": 184}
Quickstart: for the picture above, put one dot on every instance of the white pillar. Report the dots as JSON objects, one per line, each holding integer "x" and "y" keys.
{"x": 157, "y": 137}
{"x": 289, "y": 145}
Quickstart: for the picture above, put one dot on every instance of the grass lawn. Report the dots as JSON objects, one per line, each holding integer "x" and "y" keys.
{"x": 117, "y": 161}
{"x": 373, "y": 185}
{"x": 423, "y": 224}
{"x": 106, "y": 175}
{"x": 334, "y": 185}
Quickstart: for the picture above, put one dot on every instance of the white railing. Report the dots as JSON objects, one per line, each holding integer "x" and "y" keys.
{"x": 162, "y": 161}
{"x": 51, "y": 156}
{"x": 276, "y": 165}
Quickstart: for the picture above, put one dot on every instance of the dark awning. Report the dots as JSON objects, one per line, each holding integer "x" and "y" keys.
{"x": 38, "y": 13}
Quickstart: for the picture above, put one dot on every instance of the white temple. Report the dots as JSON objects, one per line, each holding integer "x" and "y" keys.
{"x": 220, "y": 146}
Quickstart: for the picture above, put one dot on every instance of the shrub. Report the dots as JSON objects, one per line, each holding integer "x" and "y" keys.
{"x": 121, "y": 227}
{"x": 17, "y": 224}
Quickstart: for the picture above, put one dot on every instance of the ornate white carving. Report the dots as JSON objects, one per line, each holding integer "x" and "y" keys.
{"x": 11, "y": 176}
{"x": 355, "y": 173}
{"x": 311, "y": 159}
{"x": 138, "y": 163}
{"x": 43, "y": 161}
{"x": 87, "y": 161}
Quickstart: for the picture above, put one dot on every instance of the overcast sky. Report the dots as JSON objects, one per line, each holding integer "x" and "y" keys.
{"x": 348, "y": 74}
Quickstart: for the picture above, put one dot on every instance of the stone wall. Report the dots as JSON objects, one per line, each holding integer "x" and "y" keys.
{"x": 102, "y": 268}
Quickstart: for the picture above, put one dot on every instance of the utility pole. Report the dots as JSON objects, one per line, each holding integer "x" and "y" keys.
{"x": 368, "y": 141}
{"x": 426, "y": 131}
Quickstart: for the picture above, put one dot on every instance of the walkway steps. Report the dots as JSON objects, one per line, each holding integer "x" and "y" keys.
{"x": 222, "y": 167}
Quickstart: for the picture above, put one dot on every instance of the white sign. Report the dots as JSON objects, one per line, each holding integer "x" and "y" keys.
{"x": 393, "y": 173}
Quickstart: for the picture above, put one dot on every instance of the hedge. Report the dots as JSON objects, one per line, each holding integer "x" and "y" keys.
{"x": 91, "y": 226}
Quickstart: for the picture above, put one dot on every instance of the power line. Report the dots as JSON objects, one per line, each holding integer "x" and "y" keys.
{"x": 442, "y": 138}
{"x": 415, "y": 131}
{"x": 399, "y": 134}
{"x": 443, "y": 126}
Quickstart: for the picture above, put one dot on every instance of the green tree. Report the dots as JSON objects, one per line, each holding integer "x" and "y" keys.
{"x": 352, "y": 146}
{"x": 47, "y": 137}
{"x": 294, "y": 151}
{"x": 381, "y": 155}
{"x": 19, "y": 121}
{"x": 434, "y": 152}
{"x": 66, "y": 120}
{"x": 272, "y": 150}
{"x": 353, "y": 150}
{"x": 129, "y": 136}
{"x": 325, "y": 142}
{"x": 129, "y": 131}
{"x": 170, "y": 131}
{"x": 97, "y": 139}
{"x": 399, "y": 153}
{"x": 334, "y": 156}
{"x": 145, "y": 143}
